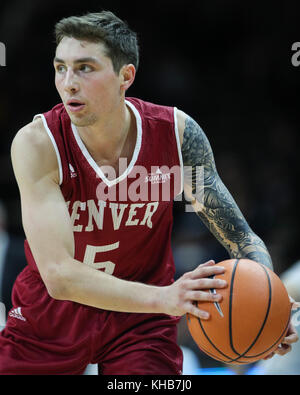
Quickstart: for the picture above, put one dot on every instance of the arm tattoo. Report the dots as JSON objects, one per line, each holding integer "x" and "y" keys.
{"x": 215, "y": 205}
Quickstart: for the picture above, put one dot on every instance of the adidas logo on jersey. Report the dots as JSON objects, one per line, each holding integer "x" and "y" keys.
{"x": 158, "y": 177}
{"x": 17, "y": 313}
{"x": 72, "y": 171}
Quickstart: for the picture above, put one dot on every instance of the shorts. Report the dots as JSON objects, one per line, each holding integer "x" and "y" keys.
{"x": 44, "y": 336}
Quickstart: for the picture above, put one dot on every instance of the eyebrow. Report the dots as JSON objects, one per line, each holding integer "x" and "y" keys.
{"x": 81, "y": 60}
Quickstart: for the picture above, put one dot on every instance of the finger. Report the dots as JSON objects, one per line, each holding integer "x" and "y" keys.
{"x": 201, "y": 296}
{"x": 207, "y": 271}
{"x": 283, "y": 349}
{"x": 208, "y": 263}
{"x": 206, "y": 283}
{"x": 290, "y": 339}
{"x": 269, "y": 356}
{"x": 194, "y": 310}
{"x": 291, "y": 335}
{"x": 295, "y": 305}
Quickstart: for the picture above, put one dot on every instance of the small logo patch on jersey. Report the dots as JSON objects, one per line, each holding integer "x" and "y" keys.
{"x": 72, "y": 171}
{"x": 17, "y": 313}
{"x": 158, "y": 177}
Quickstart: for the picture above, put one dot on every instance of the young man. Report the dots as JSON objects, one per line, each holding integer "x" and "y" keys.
{"x": 99, "y": 286}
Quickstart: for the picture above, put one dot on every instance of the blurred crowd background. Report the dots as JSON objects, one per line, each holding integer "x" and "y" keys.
{"x": 227, "y": 64}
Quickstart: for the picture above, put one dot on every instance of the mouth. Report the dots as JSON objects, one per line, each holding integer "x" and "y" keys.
{"x": 75, "y": 105}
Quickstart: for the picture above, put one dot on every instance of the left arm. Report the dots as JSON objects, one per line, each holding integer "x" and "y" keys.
{"x": 217, "y": 209}
{"x": 211, "y": 199}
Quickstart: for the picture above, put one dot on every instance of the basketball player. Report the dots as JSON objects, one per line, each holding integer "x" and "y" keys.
{"x": 99, "y": 285}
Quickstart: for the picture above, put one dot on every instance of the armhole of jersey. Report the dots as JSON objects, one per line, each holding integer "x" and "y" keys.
{"x": 179, "y": 148}
{"x": 54, "y": 146}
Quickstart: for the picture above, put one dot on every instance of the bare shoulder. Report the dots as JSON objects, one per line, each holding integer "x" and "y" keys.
{"x": 32, "y": 135}
{"x": 33, "y": 154}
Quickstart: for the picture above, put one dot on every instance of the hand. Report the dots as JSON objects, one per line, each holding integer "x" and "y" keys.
{"x": 180, "y": 296}
{"x": 290, "y": 337}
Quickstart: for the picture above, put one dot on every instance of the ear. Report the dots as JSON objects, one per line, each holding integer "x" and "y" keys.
{"x": 127, "y": 76}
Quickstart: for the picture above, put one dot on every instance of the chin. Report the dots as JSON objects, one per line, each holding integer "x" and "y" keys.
{"x": 83, "y": 121}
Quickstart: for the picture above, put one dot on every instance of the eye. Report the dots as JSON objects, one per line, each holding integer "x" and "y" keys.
{"x": 86, "y": 68}
{"x": 61, "y": 68}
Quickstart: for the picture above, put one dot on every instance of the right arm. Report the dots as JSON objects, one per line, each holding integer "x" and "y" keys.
{"x": 49, "y": 232}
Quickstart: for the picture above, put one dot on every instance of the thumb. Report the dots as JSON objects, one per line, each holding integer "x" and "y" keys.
{"x": 295, "y": 305}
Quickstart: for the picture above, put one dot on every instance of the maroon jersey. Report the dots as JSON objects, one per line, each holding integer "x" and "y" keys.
{"x": 122, "y": 224}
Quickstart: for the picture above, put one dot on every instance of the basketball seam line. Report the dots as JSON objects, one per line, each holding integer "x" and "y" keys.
{"x": 258, "y": 355}
{"x": 210, "y": 341}
{"x": 230, "y": 328}
{"x": 216, "y": 348}
{"x": 263, "y": 324}
{"x": 230, "y": 307}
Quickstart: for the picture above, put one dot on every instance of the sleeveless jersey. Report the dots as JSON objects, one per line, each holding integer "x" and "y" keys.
{"x": 122, "y": 225}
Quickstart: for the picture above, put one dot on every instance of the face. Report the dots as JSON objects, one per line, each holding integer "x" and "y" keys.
{"x": 86, "y": 81}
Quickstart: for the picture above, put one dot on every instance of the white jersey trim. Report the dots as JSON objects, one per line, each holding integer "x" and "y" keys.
{"x": 179, "y": 149}
{"x": 54, "y": 145}
{"x": 136, "y": 152}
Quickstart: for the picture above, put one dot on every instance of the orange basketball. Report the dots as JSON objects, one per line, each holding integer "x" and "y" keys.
{"x": 251, "y": 320}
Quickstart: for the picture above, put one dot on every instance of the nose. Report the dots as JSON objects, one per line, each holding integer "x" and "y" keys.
{"x": 71, "y": 84}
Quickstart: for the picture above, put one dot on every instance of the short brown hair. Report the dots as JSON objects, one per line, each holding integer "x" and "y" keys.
{"x": 120, "y": 41}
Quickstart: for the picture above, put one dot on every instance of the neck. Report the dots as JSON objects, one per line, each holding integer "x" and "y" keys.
{"x": 106, "y": 139}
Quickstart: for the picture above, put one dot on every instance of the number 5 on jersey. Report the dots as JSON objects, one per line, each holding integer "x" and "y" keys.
{"x": 90, "y": 257}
